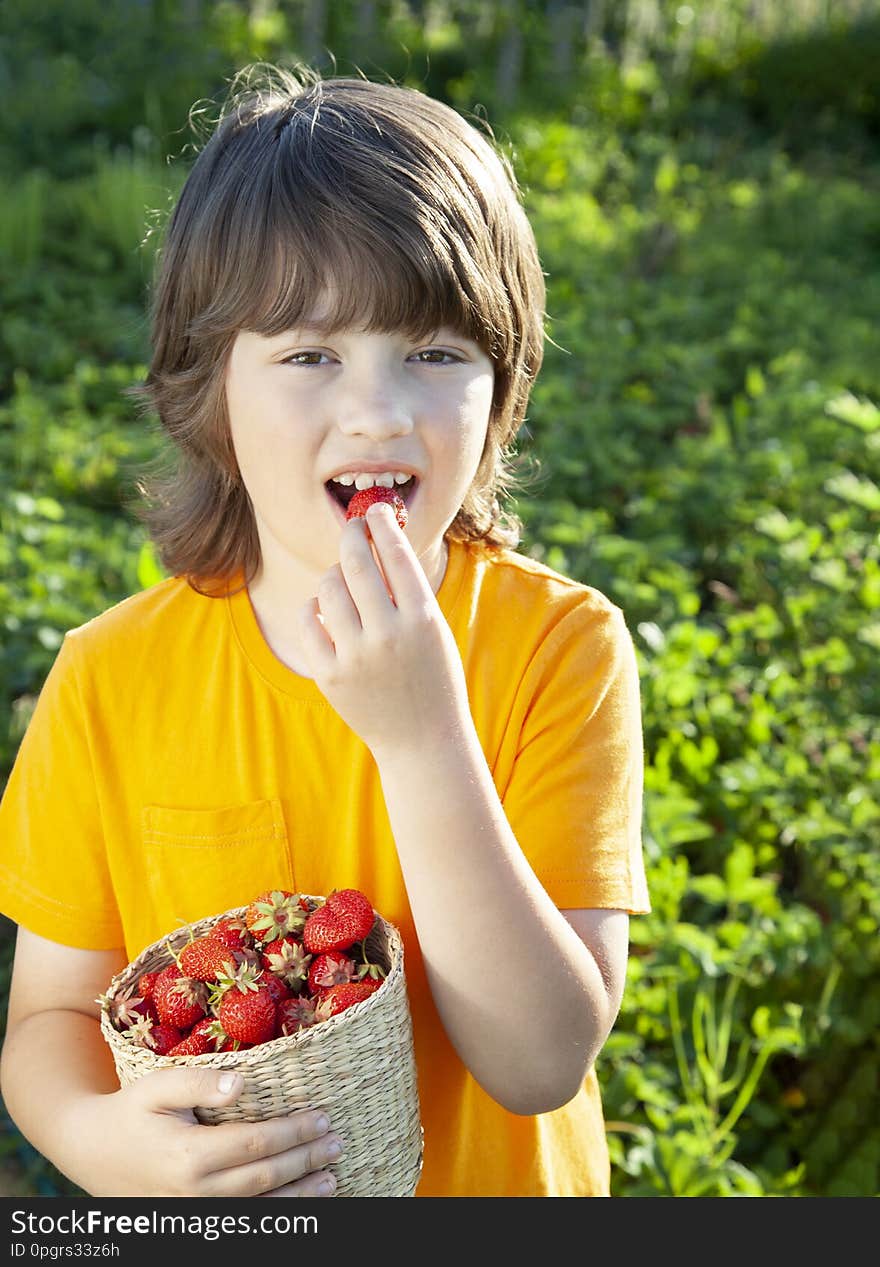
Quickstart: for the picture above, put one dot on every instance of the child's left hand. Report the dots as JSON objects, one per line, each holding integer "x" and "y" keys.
{"x": 384, "y": 656}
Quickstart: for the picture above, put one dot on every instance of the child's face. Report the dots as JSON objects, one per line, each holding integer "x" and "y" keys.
{"x": 304, "y": 407}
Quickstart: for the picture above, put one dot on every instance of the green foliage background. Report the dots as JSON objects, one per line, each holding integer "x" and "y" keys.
{"x": 703, "y": 180}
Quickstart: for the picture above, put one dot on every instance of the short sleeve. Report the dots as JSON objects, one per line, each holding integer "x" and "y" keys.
{"x": 54, "y": 876}
{"x": 574, "y": 796}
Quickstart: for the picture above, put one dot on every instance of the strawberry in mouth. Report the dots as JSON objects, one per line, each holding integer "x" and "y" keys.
{"x": 354, "y": 502}
{"x": 364, "y": 498}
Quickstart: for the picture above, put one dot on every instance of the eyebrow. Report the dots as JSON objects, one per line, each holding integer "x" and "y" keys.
{"x": 315, "y": 325}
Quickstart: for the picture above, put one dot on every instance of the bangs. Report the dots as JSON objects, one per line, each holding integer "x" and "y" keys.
{"x": 332, "y": 283}
{"x": 325, "y": 235}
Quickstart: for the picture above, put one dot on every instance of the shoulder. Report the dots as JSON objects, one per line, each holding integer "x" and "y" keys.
{"x": 524, "y": 628}
{"x": 523, "y": 590}
{"x": 135, "y": 632}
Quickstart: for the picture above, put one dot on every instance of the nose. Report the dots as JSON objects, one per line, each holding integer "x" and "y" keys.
{"x": 375, "y": 406}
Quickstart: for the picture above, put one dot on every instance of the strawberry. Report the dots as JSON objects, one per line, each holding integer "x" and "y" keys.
{"x": 196, "y": 1043}
{"x": 345, "y": 917}
{"x": 274, "y": 914}
{"x": 128, "y": 1008}
{"x": 340, "y": 997}
{"x": 329, "y": 969}
{"x": 274, "y": 985}
{"x": 248, "y": 1015}
{"x": 294, "y": 1014}
{"x": 145, "y": 984}
{"x": 179, "y": 1000}
{"x": 286, "y": 958}
{"x": 204, "y": 958}
{"x": 158, "y": 1037}
{"x": 365, "y": 497}
{"x": 233, "y": 932}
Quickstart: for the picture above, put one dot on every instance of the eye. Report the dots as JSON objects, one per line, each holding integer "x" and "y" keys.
{"x": 437, "y": 352}
{"x": 294, "y": 360}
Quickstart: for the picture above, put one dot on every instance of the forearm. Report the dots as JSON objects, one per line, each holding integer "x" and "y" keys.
{"x": 520, "y": 995}
{"x": 51, "y": 1062}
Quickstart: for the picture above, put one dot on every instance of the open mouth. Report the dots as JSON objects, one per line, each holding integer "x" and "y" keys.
{"x": 342, "y": 494}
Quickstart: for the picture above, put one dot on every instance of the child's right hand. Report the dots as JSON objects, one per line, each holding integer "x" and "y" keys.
{"x": 147, "y": 1141}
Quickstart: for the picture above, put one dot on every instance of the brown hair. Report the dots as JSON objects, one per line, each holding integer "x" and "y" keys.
{"x": 303, "y": 184}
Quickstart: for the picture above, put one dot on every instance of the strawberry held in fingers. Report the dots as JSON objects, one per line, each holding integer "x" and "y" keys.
{"x": 346, "y": 917}
{"x": 364, "y": 498}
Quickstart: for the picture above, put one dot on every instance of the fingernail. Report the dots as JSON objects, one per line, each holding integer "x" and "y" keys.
{"x": 322, "y": 1124}
{"x": 226, "y": 1082}
{"x": 334, "y": 1150}
{"x": 328, "y": 1187}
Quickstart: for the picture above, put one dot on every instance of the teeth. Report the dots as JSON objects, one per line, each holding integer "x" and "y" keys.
{"x": 363, "y": 479}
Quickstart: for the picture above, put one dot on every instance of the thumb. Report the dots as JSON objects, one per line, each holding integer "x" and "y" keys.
{"x": 189, "y": 1088}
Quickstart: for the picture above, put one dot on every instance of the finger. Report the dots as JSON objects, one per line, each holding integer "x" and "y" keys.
{"x": 187, "y": 1088}
{"x": 238, "y": 1143}
{"x": 320, "y": 1184}
{"x": 305, "y": 1162}
{"x": 316, "y": 642}
{"x": 401, "y": 566}
{"x": 339, "y": 612}
{"x": 363, "y": 573}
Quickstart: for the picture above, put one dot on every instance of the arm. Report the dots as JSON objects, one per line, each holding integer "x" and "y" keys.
{"x": 527, "y": 996}
{"x": 59, "y": 1084}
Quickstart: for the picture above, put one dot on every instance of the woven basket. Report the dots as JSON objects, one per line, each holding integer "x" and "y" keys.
{"x": 358, "y": 1066}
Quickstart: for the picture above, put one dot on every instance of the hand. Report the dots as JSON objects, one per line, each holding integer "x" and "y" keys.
{"x": 146, "y": 1141}
{"x": 377, "y": 643}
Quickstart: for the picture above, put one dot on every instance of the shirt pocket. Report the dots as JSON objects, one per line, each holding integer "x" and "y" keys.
{"x": 200, "y": 862}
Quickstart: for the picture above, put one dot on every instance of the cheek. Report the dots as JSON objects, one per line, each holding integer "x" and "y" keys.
{"x": 473, "y": 426}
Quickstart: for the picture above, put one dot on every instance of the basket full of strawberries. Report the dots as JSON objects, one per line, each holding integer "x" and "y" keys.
{"x": 305, "y": 997}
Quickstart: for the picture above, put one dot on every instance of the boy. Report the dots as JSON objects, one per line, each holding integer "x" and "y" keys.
{"x": 349, "y": 293}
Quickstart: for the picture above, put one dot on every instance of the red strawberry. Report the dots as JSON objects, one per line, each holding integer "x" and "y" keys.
{"x": 332, "y": 968}
{"x": 340, "y": 997}
{"x": 345, "y": 917}
{"x": 145, "y": 984}
{"x": 365, "y": 497}
{"x": 204, "y": 958}
{"x": 233, "y": 932}
{"x": 196, "y": 1043}
{"x": 158, "y": 1037}
{"x": 274, "y": 914}
{"x": 179, "y": 1000}
{"x": 286, "y": 958}
{"x": 248, "y": 1015}
{"x": 274, "y": 985}
{"x": 294, "y": 1014}
{"x": 128, "y": 1008}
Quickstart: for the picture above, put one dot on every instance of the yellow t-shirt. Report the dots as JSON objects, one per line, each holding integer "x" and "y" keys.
{"x": 174, "y": 767}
